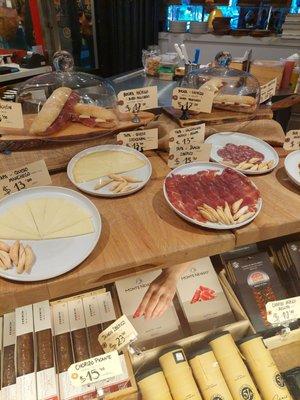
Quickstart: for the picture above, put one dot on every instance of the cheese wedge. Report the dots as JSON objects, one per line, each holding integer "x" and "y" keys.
{"x": 82, "y": 227}
{"x": 103, "y": 163}
{"x": 51, "y": 209}
{"x": 67, "y": 215}
{"x": 9, "y": 233}
{"x": 22, "y": 218}
{"x": 37, "y": 208}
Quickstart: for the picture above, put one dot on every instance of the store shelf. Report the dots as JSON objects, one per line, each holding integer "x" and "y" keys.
{"x": 142, "y": 232}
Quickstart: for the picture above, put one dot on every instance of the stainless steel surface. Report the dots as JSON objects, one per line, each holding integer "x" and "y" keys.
{"x": 137, "y": 79}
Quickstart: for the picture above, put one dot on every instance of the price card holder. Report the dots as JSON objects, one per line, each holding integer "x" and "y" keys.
{"x": 268, "y": 90}
{"x": 27, "y": 176}
{"x": 135, "y": 100}
{"x": 187, "y": 153}
{"x": 292, "y": 140}
{"x": 191, "y": 134}
{"x": 11, "y": 115}
{"x": 283, "y": 311}
{"x": 104, "y": 366}
{"x": 140, "y": 140}
{"x": 192, "y": 99}
{"x": 118, "y": 335}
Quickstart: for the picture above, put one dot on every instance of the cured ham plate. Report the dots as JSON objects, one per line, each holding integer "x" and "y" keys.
{"x": 212, "y": 195}
{"x": 245, "y": 153}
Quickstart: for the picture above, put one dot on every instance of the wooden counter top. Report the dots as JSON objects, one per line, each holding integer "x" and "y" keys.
{"x": 142, "y": 232}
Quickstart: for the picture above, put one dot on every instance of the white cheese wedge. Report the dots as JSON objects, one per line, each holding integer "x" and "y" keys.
{"x": 37, "y": 208}
{"x": 102, "y": 163}
{"x": 22, "y": 218}
{"x": 67, "y": 215}
{"x": 9, "y": 233}
{"x": 82, "y": 227}
{"x": 51, "y": 209}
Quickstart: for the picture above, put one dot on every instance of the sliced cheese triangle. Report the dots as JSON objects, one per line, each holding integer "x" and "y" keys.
{"x": 82, "y": 227}
{"x": 37, "y": 208}
{"x": 51, "y": 208}
{"x": 10, "y": 233}
{"x": 22, "y": 218}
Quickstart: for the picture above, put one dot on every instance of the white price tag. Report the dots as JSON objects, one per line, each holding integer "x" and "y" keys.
{"x": 283, "y": 311}
{"x": 292, "y": 140}
{"x": 187, "y": 153}
{"x": 27, "y": 176}
{"x": 268, "y": 90}
{"x": 191, "y": 134}
{"x": 95, "y": 369}
{"x": 11, "y": 115}
{"x": 118, "y": 335}
{"x": 140, "y": 140}
{"x": 134, "y": 100}
{"x": 192, "y": 99}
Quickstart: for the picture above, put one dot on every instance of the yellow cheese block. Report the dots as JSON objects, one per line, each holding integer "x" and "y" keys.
{"x": 103, "y": 163}
{"x": 82, "y": 227}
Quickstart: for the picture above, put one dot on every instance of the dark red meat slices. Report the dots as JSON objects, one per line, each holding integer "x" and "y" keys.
{"x": 188, "y": 192}
{"x": 239, "y": 153}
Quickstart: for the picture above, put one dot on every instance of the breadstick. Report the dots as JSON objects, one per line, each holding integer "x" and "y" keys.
{"x": 121, "y": 186}
{"x": 245, "y": 216}
{"x": 254, "y": 168}
{"x": 21, "y": 261}
{"x": 102, "y": 183}
{"x": 128, "y": 188}
{"x": 241, "y": 211}
{"x": 14, "y": 252}
{"x": 115, "y": 177}
{"x": 5, "y": 247}
{"x": 223, "y": 215}
{"x": 236, "y": 205}
{"x": 211, "y": 210}
{"x": 253, "y": 160}
{"x": 206, "y": 215}
{"x": 131, "y": 179}
{"x": 211, "y": 215}
{"x": 29, "y": 258}
{"x": 228, "y": 213}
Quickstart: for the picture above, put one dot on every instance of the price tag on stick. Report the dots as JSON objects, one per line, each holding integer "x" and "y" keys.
{"x": 11, "y": 115}
{"x": 192, "y": 99}
{"x": 283, "y": 311}
{"x": 191, "y": 134}
{"x": 27, "y": 176}
{"x": 187, "y": 153}
{"x": 268, "y": 90}
{"x": 118, "y": 335}
{"x": 134, "y": 100}
{"x": 292, "y": 140}
{"x": 140, "y": 140}
{"x": 104, "y": 366}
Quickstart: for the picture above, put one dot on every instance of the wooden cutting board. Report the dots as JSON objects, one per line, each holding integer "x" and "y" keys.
{"x": 11, "y": 139}
{"x": 218, "y": 116}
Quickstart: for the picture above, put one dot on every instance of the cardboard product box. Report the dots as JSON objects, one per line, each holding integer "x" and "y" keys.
{"x": 202, "y": 298}
{"x": 238, "y": 252}
{"x": 8, "y": 367}
{"x": 255, "y": 283}
{"x": 46, "y": 376}
{"x": 151, "y": 332}
{"x": 26, "y": 357}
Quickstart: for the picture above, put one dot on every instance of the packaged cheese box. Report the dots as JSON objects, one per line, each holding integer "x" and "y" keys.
{"x": 46, "y": 377}
{"x": 151, "y": 332}
{"x": 25, "y": 359}
{"x": 202, "y": 298}
{"x": 8, "y": 371}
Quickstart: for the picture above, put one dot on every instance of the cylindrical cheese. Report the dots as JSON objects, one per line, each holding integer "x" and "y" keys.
{"x": 233, "y": 368}
{"x": 208, "y": 375}
{"x": 261, "y": 364}
{"x": 153, "y": 385}
{"x": 179, "y": 375}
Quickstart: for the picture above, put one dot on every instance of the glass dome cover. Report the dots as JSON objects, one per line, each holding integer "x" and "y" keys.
{"x": 52, "y": 100}
{"x": 235, "y": 90}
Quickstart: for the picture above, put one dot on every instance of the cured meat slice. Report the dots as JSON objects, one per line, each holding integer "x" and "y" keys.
{"x": 239, "y": 153}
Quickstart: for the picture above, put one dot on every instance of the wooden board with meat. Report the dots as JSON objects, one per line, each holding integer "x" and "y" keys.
{"x": 212, "y": 196}
{"x": 243, "y": 152}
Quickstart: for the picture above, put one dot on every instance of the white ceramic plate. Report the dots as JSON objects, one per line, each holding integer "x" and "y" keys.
{"x": 219, "y": 140}
{"x": 54, "y": 257}
{"x": 292, "y": 166}
{"x": 143, "y": 174}
{"x": 192, "y": 168}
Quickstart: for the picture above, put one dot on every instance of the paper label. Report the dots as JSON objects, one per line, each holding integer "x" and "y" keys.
{"x": 106, "y": 307}
{"x": 118, "y": 335}
{"x": 27, "y": 176}
{"x": 187, "y": 153}
{"x": 60, "y": 318}
{"x": 24, "y": 320}
{"x": 9, "y": 329}
{"x": 191, "y": 134}
{"x": 95, "y": 369}
{"x": 193, "y": 99}
{"x": 9, "y": 392}
{"x": 42, "y": 316}
{"x": 76, "y": 314}
{"x": 268, "y": 90}
{"x": 134, "y": 100}
{"x": 141, "y": 140}
{"x": 47, "y": 385}
{"x": 292, "y": 140}
{"x": 11, "y": 115}
{"x": 283, "y": 311}
{"x": 26, "y": 387}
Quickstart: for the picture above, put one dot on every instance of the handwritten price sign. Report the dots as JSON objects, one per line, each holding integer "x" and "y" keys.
{"x": 11, "y": 115}
{"x": 29, "y": 175}
{"x": 140, "y": 140}
{"x": 283, "y": 311}
{"x": 135, "y": 100}
{"x": 187, "y": 153}
{"x": 268, "y": 90}
{"x": 118, "y": 335}
{"x": 95, "y": 369}
{"x": 191, "y": 134}
{"x": 292, "y": 140}
{"x": 193, "y": 99}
